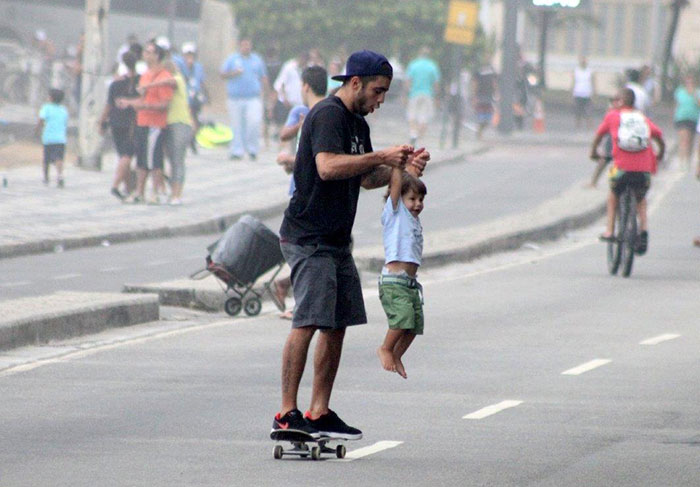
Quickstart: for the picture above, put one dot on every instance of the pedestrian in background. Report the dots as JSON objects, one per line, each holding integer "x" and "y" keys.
{"x": 314, "y": 84}
{"x": 193, "y": 74}
{"x": 484, "y": 93}
{"x": 422, "y": 83}
{"x": 247, "y": 86}
{"x": 53, "y": 126}
{"x": 122, "y": 123}
{"x": 178, "y": 133}
{"x": 685, "y": 118}
{"x": 151, "y": 120}
{"x": 583, "y": 90}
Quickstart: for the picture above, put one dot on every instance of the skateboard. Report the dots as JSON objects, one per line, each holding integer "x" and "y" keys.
{"x": 300, "y": 445}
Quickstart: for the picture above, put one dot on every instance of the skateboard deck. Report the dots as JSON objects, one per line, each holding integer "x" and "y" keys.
{"x": 300, "y": 445}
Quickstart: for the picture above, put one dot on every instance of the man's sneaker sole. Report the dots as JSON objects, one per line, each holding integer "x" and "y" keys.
{"x": 340, "y": 436}
{"x": 315, "y": 435}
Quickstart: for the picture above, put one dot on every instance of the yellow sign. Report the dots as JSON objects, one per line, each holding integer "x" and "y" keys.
{"x": 462, "y": 19}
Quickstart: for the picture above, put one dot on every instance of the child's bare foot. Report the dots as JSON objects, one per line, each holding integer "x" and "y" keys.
{"x": 387, "y": 359}
{"x": 400, "y": 368}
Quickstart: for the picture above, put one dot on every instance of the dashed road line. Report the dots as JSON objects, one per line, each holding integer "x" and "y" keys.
{"x": 659, "y": 339}
{"x": 156, "y": 263}
{"x": 588, "y": 366}
{"x": 15, "y": 284}
{"x": 65, "y": 277}
{"x": 493, "y": 409}
{"x": 368, "y": 450}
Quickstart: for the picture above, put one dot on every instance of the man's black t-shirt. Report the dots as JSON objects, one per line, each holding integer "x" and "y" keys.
{"x": 122, "y": 88}
{"x": 323, "y": 212}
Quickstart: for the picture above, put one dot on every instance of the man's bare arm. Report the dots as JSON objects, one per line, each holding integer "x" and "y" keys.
{"x": 332, "y": 166}
{"x": 377, "y": 177}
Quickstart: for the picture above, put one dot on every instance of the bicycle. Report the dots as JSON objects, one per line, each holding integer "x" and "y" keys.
{"x": 622, "y": 248}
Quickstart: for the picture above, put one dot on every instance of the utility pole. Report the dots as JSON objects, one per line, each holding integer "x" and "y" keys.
{"x": 508, "y": 66}
{"x": 172, "y": 14}
{"x": 92, "y": 94}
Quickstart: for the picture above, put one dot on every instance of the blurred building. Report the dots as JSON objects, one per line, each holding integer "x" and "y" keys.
{"x": 613, "y": 34}
{"x": 62, "y": 20}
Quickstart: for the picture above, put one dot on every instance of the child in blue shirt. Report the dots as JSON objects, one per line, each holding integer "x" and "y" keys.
{"x": 53, "y": 125}
{"x": 399, "y": 291}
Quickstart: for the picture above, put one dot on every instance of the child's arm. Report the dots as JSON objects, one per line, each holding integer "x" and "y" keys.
{"x": 395, "y": 186}
{"x": 39, "y": 127}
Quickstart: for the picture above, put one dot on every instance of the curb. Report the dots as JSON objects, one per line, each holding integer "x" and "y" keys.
{"x": 211, "y": 226}
{"x": 214, "y": 225}
{"x": 73, "y": 314}
{"x": 499, "y": 243}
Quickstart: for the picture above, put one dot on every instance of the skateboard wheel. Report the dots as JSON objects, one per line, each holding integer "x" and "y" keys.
{"x": 340, "y": 451}
{"x": 316, "y": 453}
{"x": 277, "y": 452}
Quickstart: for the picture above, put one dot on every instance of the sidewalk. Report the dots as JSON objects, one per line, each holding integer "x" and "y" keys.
{"x": 217, "y": 192}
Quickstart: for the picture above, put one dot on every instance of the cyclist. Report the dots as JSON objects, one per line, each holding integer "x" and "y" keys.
{"x": 633, "y": 160}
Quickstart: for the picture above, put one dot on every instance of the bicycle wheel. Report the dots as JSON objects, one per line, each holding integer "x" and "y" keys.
{"x": 629, "y": 237}
{"x": 614, "y": 247}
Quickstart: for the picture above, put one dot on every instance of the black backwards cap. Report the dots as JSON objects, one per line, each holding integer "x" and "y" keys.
{"x": 366, "y": 63}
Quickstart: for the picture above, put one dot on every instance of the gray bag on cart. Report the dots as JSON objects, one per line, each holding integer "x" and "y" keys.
{"x": 247, "y": 250}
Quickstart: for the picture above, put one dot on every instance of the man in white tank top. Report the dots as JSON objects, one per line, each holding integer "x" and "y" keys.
{"x": 583, "y": 90}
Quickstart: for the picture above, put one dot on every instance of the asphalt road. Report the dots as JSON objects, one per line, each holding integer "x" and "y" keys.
{"x": 537, "y": 369}
{"x": 500, "y": 182}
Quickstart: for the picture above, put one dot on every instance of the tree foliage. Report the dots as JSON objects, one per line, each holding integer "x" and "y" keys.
{"x": 394, "y": 27}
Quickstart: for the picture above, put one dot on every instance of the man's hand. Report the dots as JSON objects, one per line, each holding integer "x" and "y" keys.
{"x": 396, "y": 156}
{"x": 415, "y": 165}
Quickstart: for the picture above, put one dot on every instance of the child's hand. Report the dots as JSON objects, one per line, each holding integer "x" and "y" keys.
{"x": 417, "y": 161}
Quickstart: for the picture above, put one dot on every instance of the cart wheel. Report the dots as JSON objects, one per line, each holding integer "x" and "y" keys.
{"x": 316, "y": 453}
{"x": 340, "y": 451}
{"x": 277, "y": 452}
{"x": 252, "y": 307}
{"x": 233, "y": 306}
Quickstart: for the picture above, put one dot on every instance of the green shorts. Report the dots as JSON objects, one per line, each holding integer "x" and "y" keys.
{"x": 403, "y": 307}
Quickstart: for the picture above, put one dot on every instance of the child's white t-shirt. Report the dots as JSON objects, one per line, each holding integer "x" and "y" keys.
{"x": 403, "y": 234}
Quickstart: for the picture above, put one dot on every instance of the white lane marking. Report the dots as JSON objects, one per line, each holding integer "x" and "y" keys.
{"x": 493, "y": 409}
{"x": 659, "y": 339}
{"x": 64, "y": 277}
{"x": 15, "y": 284}
{"x": 368, "y": 450}
{"x": 583, "y": 368}
{"x": 113, "y": 269}
{"x": 84, "y": 352}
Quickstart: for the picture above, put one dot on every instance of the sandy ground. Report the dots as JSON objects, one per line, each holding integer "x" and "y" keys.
{"x": 24, "y": 153}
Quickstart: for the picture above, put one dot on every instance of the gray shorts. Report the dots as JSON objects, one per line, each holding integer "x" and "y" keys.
{"x": 326, "y": 285}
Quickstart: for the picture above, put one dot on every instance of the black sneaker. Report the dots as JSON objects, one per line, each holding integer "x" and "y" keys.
{"x": 642, "y": 243}
{"x": 293, "y": 421}
{"x": 332, "y": 426}
{"x": 117, "y": 194}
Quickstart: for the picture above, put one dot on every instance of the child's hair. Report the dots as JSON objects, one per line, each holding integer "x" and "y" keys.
{"x": 129, "y": 59}
{"x": 410, "y": 183}
{"x": 56, "y": 95}
{"x": 317, "y": 78}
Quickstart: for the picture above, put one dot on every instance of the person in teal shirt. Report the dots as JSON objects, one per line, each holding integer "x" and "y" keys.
{"x": 686, "y": 116}
{"x": 53, "y": 125}
{"x": 422, "y": 82}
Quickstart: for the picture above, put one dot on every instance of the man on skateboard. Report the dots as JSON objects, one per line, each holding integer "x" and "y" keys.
{"x": 334, "y": 159}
